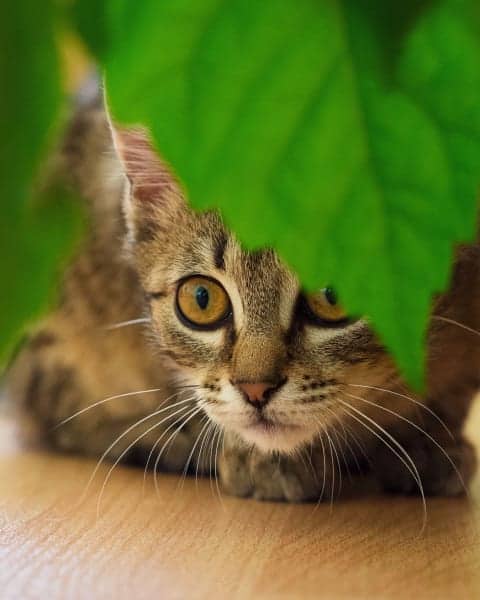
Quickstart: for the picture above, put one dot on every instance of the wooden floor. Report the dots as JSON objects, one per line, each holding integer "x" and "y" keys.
{"x": 186, "y": 543}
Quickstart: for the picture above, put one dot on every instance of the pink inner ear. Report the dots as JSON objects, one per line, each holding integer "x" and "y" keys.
{"x": 150, "y": 178}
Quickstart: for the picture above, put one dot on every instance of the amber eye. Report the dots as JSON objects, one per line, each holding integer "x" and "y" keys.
{"x": 202, "y": 302}
{"x": 324, "y": 306}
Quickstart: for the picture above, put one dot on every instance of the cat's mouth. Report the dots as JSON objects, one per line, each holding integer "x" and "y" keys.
{"x": 270, "y": 435}
{"x": 268, "y": 426}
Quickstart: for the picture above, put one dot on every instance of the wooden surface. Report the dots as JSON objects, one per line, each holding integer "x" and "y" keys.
{"x": 186, "y": 543}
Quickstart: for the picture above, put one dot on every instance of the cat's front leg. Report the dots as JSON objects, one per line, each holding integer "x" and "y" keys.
{"x": 306, "y": 475}
{"x": 443, "y": 467}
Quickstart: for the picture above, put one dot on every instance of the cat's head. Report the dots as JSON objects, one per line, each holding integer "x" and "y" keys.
{"x": 266, "y": 360}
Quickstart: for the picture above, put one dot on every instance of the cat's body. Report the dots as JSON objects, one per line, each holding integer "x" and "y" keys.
{"x": 280, "y": 402}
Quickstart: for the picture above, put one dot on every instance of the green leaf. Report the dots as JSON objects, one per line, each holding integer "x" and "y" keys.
{"x": 90, "y": 19}
{"x": 30, "y": 94}
{"x": 346, "y": 129}
{"x": 33, "y": 236}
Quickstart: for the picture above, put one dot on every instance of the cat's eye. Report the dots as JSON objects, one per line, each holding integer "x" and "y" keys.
{"x": 324, "y": 306}
{"x": 202, "y": 302}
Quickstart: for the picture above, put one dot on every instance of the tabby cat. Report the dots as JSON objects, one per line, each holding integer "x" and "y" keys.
{"x": 171, "y": 345}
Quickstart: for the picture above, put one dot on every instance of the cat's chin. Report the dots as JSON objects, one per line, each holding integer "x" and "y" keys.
{"x": 271, "y": 437}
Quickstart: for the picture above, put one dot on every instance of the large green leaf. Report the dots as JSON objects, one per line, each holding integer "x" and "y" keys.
{"x": 34, "y": 235}
{"x": 29, "y": 96}
{"x": 342, "y": 132}
{"x": 90, "y": 19}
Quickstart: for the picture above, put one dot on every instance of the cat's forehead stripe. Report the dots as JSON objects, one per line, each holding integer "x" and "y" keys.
{"x": 220, "y": 244}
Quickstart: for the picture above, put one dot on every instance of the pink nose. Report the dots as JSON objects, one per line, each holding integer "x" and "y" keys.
{"x": 257, "y": 394}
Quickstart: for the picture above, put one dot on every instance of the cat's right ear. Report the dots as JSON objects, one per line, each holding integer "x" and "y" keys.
{"x": 153, "y": 197}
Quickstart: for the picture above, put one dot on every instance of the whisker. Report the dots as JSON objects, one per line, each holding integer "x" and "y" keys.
{"x": 200, "y": 451}
{"x": 322, "y": 430}
{"x": 333, "y": 469}
{"x": 418, "y": 428}
{"x": 192, "y": 451}
{"x": 120, "y": 437}
{"x": 127, "y": 323}
{"x": 196, "y": 411}
{"x": 219, "y": 438}
{"x": 341, "y": 449}
{"x": 420, "y": 404}
{"x": 359, "y": 445}
{"x": 324, "y": 482}
{"x": 152, "y": 449}
{"x": 309, "y": 466}
{"x": 191, "y": 386}
{"x": 309, "y": 456}
{"x": 119, "y": 458}
{"x": 160, "y": 438}
{"x": 298, "y": 454}
{"x": 250, "y": 451}
{"x": 350, "y": 436}
{"x": 457, "y": 323}
{"x": 415, "y": 474}
{"x": 340, "y": 445}
{"x": 117, "y": 396}
{"x": 411, "y": 469}
{"x": 210, "y": 466}
{"x": 324, "y": 479}
{"x": 337, "y": 460}
{"x": 223, "y": 445}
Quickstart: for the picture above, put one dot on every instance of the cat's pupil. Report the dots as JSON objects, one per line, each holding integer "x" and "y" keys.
{"x": 330, "y": 296}
{"x": 202, "y": 297}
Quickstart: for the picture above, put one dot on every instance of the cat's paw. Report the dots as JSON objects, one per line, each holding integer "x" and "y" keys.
{"x": 442, "y": 473}
{"x": 248, "y": 472}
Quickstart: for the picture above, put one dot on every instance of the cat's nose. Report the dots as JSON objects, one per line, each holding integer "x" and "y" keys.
{"x": 257, "y": 394}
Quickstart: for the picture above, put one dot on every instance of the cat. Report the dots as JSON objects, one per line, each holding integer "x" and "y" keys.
{"x": 174, "y": 347}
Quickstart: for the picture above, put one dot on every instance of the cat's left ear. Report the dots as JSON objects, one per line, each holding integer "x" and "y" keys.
{"x": 153, "y": 197}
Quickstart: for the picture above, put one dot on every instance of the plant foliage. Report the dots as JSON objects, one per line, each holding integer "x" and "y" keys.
{"x": 345, "y": 133}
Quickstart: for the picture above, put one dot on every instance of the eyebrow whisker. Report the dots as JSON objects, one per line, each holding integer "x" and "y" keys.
{"x": 127, "y": 323}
